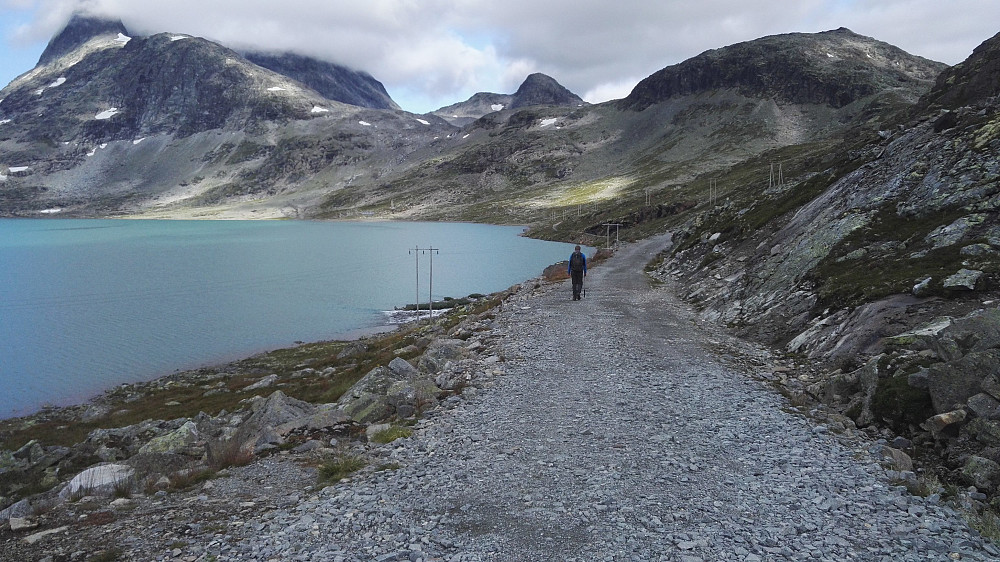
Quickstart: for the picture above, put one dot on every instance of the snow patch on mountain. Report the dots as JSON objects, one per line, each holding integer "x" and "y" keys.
{"x": 122, "y": 38}
{"x": 418, "y": 121}
{"x": 318, "y": 109}
{"x": 106, "y": 114}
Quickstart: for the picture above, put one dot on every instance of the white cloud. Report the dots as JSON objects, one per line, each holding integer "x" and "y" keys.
{"x": 431, "y": 53}
{"x": 610, "y": 90}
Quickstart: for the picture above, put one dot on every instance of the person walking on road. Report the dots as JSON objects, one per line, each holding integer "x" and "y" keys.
{"x": 577, "y": 271}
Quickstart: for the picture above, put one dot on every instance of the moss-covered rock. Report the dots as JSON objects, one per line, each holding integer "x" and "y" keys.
{"x": 981, "y": 473}
{"x": 900, "y": 404}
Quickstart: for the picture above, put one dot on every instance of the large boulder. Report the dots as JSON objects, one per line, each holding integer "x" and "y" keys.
{"x": 399, "y": 389}
{"x": 176, "y": 441}
{"x": 100, "y": 480}
{"x": 439, "y": 353}
{"x": 952, "y": 338}
{"x": 267, "y": 414}
{"x": 981, "y": 473}
{"x": 951, "y": 384}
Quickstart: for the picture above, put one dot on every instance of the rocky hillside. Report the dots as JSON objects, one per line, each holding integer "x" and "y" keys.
{"x": 176, "y": 126}
{"x": 537, "y": 89}
{"x": 882, "y": 262}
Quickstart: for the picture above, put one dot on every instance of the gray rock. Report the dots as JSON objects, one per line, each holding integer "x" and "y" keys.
{"x": 263, "y": 383}
{"x": 439, "y": 353}
{"x": 982, "y": 473}
{"x": 953, "y": 233}
{"x": 965, "y": 279}
{"x": 953, "y": 383}
{"x": 352, "y": 349}
{"x": 22, "y": 523}
{"x": 98, "y": 480}
{"x": 938, "y": 424}
{"x": 19, "y": 509}
{"x": 923, "y": 288}
{"x": 266, "y": 414}
{"x": 402, "y": 369}
{"x": 174, "y": 442}
{"x": 985, "y": 406}
{"x": 977, "y": 250}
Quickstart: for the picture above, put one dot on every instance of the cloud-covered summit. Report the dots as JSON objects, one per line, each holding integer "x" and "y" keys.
{"x": 436, "y": 52}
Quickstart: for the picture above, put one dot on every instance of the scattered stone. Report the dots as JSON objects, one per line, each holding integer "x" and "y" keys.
{"x": 263, "y": 383}
{"x": 18, "y": 524}
{"x": 965, "y": 279}
{"x": 937, "y": 425}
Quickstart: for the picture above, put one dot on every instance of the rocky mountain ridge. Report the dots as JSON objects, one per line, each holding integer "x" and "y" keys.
{"x": 883, "y": 266}
{"x": 537, "y": 89}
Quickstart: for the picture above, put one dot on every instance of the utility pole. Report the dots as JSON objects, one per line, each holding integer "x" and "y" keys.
{"x": 609, "y": 225}
{"x": 430, "y": 292}
{"x": 776, "y": 179}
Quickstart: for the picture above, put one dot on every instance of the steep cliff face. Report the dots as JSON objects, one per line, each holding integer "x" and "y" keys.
{"x": 912, "y": 206}
{"x": 77, "y": 33}
{"x": 834, "y": 68}
{"x": 973, "y": 81}
{"x": 334, "y": 82}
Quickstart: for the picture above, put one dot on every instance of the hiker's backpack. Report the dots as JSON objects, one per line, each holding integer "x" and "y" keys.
{"x": 576, "y": 261}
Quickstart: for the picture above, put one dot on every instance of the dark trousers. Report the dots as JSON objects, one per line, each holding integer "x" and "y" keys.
{"x": 577, "y": 283}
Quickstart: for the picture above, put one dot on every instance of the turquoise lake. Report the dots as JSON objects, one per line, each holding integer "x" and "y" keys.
{"x": 89, "y": 304}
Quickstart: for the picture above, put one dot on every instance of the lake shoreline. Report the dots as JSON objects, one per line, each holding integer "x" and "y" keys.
{"x": 91, "y": 304}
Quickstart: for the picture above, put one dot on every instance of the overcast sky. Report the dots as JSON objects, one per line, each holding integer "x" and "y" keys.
{"x": 431, "y": 53}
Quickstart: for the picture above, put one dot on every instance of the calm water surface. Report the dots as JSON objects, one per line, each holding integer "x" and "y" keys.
{"x": 88, "y": 304}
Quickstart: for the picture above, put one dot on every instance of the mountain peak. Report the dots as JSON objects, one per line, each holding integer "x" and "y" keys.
{"x": 80, "y": 29}
{"x": 833, "y": 68}
{"x": 537, "y": 89}
{"x": 541, "y": 89}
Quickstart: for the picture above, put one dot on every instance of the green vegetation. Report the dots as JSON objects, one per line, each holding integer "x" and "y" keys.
{"x": 110, "y": 555}
{"x": 187, "y": 394}
{"x": 887, "y": 256}
{"x": 340, "y": 467}
{"x": 900, "y": 404}
{"x": 391, "y": 434}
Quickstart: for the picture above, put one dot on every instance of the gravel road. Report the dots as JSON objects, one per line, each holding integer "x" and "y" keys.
{"x": 618, "y": 430}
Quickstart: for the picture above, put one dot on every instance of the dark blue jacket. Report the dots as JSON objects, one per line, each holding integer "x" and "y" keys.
{"x": 569, "y": 268}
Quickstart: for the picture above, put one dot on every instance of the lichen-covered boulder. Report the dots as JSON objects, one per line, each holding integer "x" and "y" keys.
{"x": 981, "y": 473}
{"x": 399, "y": 389}
{"x": 176, "y": 441}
